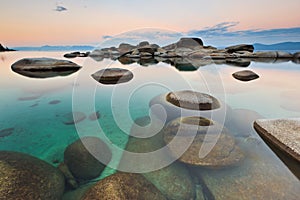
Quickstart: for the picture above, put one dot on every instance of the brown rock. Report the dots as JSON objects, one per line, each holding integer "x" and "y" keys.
{"x": 113, "y": 76}
{"x": 245, "y": 75}
{"x": 25, "y": 177}
{"x": 121, "y": 186}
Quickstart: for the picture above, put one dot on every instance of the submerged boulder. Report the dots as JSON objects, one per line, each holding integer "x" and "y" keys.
{"x": 113, "y": 76}
{"x": 245, "y": 75}
{"x": 44, "y": 67}
{"x": 79, "y": 157}
{"x": 190, "y": 135}
{"x": 124, "y": 186}
{"x": 25, "y": 177}
{"x": 73, "y": 118}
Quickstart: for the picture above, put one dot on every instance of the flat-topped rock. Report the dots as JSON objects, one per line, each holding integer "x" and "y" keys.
{"x": 44, "y": 67}
{"x": 113, "y": 76}
{"x": 124, "y": 186}
{"x": 245, "y": 75}
{"x": 201, "y": 131}
{"x": 193, "y": 100}
{"x": 282, "y": 133}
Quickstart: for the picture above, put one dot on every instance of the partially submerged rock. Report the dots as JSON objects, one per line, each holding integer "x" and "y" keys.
{"x": 199, "y": 132}
{"x": 25, "y": 177}
{"x": 193, "y": 100}
{"x": 282, "y": 133}
{"x": 82, "y": 156}
{"x": 245, "y": 75}
{"x": 73, "y": 118}
{"x": 76, "y": 54}
{"x": 44, "y": 67}
{"x": 124, "y": 186}
{"x": 296, "y": 57}
{"x": 240, "y": 47}
{"x": 113, "y": 76}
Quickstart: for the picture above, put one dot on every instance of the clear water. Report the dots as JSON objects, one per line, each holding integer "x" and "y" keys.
{"x": 39, "y": 131}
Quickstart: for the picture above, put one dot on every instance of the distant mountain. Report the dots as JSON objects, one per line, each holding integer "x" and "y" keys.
{"x": 2, "y": 48}
{"x": 278, "y": 46}
{"x": 56, "y": 48}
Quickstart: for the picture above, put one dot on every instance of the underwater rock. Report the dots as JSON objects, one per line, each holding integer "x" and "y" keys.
{"x": 25, "y": 177}
{"x": 30, "y": 97}
{"x": 54, "y": 102}
{"x": 245, "y": 75}
{"x": 113, "y": 76}
{"x": 94, "y": 116}
{"x": 70, "y": 179}
{"x": 81, "y": 161}
{"x": 193, "y": 100}
{"x": 6, "y": 132}
{"x": 282, "y": 133}
{"x": 174, "y": 180}
{"x": 73, "y": 118}
{"x": 190, "y": 134}
{"x": 44, "y": 67}
{"x": 124, "y": 186}
{"x": 240, "y": 47}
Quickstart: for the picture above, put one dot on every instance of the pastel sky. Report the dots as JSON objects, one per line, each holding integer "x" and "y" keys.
{"x": 40, "y": 22}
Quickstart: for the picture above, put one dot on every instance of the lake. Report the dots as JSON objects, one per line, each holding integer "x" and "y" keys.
{"x": 35, "y": 111}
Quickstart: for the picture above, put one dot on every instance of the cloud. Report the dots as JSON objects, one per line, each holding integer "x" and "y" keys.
{"x": 60, "y": 9}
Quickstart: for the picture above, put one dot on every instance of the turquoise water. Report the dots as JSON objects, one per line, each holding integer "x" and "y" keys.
{"x": 38, "y": 127}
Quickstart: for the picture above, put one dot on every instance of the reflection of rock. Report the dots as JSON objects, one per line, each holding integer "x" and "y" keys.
{"x": 79, "y": 157}
{"x": 193, "y": 100}
{"x": 174, "y": 181}
{"x": 240, "y": 47}
{"x": 282, "y": 133}
{"x": 73, "y": 118}
{"x": 238, "y": 62}
{"x": 203, "y": 133}
{"x": 124, "y": 186}
{"x": 113, "y": 76}
{"x": 44, "y": 67}
{"x": 296, "y": 58}
{"x": 25, "y": 177}
{"x": 245, "y": 75}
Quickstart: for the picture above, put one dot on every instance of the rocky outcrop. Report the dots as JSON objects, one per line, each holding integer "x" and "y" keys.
{"x": 82, "y": 156}
{"x": 44, "y": 67}
{"x": 2, "y": 48}
{"x": 245, "y": 75}
{"x": 25, "y": 177}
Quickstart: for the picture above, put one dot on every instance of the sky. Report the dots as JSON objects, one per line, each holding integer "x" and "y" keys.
{"x": 86, "y": 22}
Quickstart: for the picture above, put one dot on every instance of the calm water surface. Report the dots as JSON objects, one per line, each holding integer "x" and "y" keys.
{"x": 25, "y": 105}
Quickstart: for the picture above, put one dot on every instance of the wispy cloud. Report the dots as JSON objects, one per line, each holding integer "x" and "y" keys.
{"x": 60, "y": 9}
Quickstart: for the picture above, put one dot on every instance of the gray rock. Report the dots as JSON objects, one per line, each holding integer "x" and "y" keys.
{"x": 6, "y": 132}
{"x": 282, "y": 133}
{"x": 73, "y": 118}
{"x": 245, "y": 75}
{"x": 81, "y": 161}
{"x": 193, "y": 100}
{"x": 123, "y": 186}
{"x": 123, "y": 48}
{"x": 296, "y": 58}
{"x": 189, "y": 43}
{"x": 240, "y": 47}
{"x": 113, "y": 76}
{"x": 44, "y": 67}
{"x": 25, "y": 177}
{"x": 144, "y": 43}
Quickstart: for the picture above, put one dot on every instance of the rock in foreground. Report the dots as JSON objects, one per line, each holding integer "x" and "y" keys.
{"x": 113, "y": 76}
{"x": 25, "y": 177}
{"x": 81, "y": 161}
{"x": 282, "y": 133}
{"x": 44, "y": 67}
{"x": 124, "y": 186}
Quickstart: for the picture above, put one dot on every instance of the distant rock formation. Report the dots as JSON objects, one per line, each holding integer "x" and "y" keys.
{"x": 2, "y": 48}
